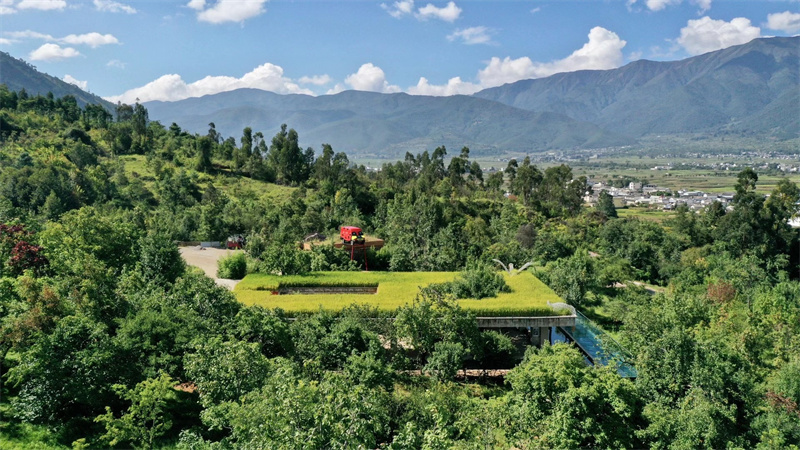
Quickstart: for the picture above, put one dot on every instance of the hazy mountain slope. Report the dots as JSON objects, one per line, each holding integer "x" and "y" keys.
{"x": 733, "y": 89}
{"x": 368, "y": 123}
{"x": 18, "y": 74}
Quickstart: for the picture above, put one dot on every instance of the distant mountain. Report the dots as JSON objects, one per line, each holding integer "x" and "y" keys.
{"x": 372, "y": 124}
{"x": 750, "y": 88}
{"x": 18, "y": 74}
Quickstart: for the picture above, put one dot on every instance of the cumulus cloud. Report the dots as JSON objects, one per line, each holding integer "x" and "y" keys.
{"x": 227, "y": 10}
{"x": 369, "y": 78}
{"x": 448, "y": 13}
{"x": 53, "y": 52}
{"x": 172, "y": 87}
{"x": 704, "y": 5}
{"x": 603, "y": 51}
{"x": 93, "y": 39}
{"x": 705, "y": 34}
{"x": 454, "y": 86}
{"x": 44, "y": 5}
{"x": 786, "y": 21}
{"x": 72, "y": 80}
{"x": 659, "y": 5}
{"x": 113, "y": 7}
{"x": 402, "y": 8}
{"x": 317, "y": 80}
{"x": 398, "y": 9}
{"x": 471, "y": 35}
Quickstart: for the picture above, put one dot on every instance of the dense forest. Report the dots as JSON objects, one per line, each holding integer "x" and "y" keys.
{"x": 107, "y": 339}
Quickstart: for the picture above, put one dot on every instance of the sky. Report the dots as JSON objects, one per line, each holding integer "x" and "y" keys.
{"x": 171, "y": 50}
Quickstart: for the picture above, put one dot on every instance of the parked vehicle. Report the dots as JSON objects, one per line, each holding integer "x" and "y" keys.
{"x": 235, "y": 242}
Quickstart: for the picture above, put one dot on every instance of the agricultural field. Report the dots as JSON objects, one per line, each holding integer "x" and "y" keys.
{"x": 655, "y": 215}
{"x": 528, "y": 296}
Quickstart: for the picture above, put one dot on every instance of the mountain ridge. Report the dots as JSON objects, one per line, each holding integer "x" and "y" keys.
{"x": 373, "y": 124}
{"x": 18, "y": 74}
{"x": 725, "y": 90}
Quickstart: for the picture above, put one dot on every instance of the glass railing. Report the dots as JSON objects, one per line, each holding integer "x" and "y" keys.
{"x": 600, "y": 347}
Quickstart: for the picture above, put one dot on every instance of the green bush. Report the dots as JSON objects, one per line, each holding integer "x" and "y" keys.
{"x": 233, "y": 267}
{"x": 477, "y": 282}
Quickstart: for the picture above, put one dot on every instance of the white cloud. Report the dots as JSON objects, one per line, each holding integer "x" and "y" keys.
{"x": 7, "y": 7}
{"x": 786, "y": 21}
{"x": 603, "y": 51}
{"x": 535, "y": 10}
{"x": 113, "y": 7}
{"x": 705, "y": 34}
{"x": 93, "y": 39}
{"x": 317, "y": 80}
{"x": 4, "y": 41}
{"x": 28, "y": 34}
{"x": 448, "y": 13}
{"x": 116, "y": 64}
{"x": 454, "y": 86}
{"x": 44, "y": 5}
{"x": 397, "y": 9}
{"x": 370, "y": 78}
{"x": 268, "y": 77}
{"x": 227, "y": 10}
{"x": 53, "y": 52}
{"x": 72, "y": 80}
{"x": 659, "y": 5}
{"x": 704, "y": 5}
{"x": 472, "y": 35}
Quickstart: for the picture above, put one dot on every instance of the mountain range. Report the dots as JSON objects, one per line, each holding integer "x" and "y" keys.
{"x": 372, "y": 124}
{"x": 751, "y": 90}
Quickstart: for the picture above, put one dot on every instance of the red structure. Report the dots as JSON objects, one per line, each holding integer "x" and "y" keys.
{"x": 353, "y": 237}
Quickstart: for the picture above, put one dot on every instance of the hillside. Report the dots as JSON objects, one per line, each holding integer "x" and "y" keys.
{"x": 18, "y": 74}
{"x": 367, "y": 123}
{"x": 750, "y": 88}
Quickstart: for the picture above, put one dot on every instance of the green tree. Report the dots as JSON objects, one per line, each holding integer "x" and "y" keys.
{"x": 605, "y": 204}
{"x": 146, "y": 419}
{"x": 572, "y": 277}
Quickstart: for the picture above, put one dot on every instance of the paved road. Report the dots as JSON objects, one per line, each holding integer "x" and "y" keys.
{"x": 206, "y": 259}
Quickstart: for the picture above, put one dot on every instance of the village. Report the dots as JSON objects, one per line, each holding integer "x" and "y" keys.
{"x": 639, "y": 194}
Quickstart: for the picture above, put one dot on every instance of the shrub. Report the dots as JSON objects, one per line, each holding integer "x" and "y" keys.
{"x": 480, "y": 281}
{"x": 234, "y": 266}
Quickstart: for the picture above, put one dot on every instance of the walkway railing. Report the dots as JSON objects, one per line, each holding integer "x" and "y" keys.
{"x": 599, "y": 346}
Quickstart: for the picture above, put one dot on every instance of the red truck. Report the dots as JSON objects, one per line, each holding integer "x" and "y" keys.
{"x": 351, "y": 235}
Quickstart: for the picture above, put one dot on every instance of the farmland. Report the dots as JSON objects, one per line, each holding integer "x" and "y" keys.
{"x": 528, "y": 296}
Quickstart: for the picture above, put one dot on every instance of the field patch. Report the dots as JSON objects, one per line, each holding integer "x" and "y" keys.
{"x": 528, "y": 296}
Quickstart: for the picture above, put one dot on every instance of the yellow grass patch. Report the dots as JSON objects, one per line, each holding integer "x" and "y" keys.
{"x": 528, "y": 296}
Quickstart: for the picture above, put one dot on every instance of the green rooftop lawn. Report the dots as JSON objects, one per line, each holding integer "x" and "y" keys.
{"x": 528, "y": 296}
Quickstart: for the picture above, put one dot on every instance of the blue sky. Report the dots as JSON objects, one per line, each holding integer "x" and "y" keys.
{"x": 169, "y": 50}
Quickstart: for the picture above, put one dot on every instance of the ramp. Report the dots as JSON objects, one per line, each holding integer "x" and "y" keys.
{"x": 598, "y": 346}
